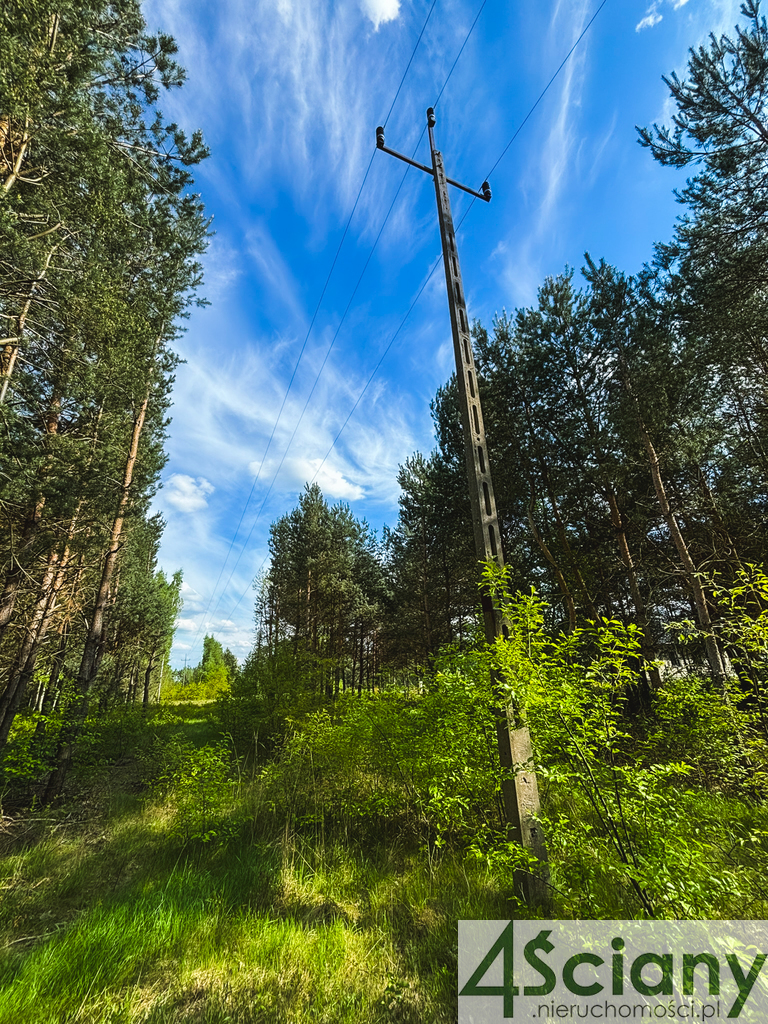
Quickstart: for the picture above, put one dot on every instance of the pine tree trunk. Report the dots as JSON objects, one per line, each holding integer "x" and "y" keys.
{"x": 561, "y": 531}
{"x": 714, "y": 656}
{"x": 18, "y": 569}
{"x": 51, "y": 693}
{"x": 18, "y": 158}
{"x": 425, "y": 591}
{"x": 641, "y": 612}
{"x": 42, "y": 616}
{"x": 90, "y": 657}
{"x": 11, "y": 348}
{"x": 130, "y": 696}
{"x": 25, "y": 660}
{"x": 617, "y": 521}
{"x": 50, "y": 699}
{"x": 147, "y": 679}
{"x": 561, "y": 581}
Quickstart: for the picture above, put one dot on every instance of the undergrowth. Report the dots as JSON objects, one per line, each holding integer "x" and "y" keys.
{"x": 186, "y": 881}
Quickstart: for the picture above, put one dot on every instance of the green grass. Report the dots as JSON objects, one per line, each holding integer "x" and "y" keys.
{"x": 109, "y": 916}
{"x": 196, "y": 723}
{"x": 297, "y": 897}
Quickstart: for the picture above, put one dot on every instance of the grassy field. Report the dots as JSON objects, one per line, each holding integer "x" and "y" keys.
{"x": 122, "y": 910}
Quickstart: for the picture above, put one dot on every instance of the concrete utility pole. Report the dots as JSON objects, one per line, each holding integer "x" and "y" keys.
{"x": 520, "y": 794}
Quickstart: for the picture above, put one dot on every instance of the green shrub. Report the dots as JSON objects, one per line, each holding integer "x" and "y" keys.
{"x": 200, "y": 783}
{"x": 626, "y": 832}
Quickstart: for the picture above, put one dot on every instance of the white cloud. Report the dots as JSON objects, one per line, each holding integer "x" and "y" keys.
{"x": 185, "y": 623}
{"x": 677, "y": 4}
{"x": 546, "y": 179}
{"x": 222, "y": 269}
{"x": 273, "y": 270}
{"x": 296, "y": 471}
{"x": 652, "y": 17}
{"x": 291, "y": 93}
{"x": 192, "y": 599}
{"x": 333, "y": 482}
{"x": 288, "y": 94}
{"x": 186, "y": 493}
{"x": 550, "y": 176}
{"x": 381, "y": 11}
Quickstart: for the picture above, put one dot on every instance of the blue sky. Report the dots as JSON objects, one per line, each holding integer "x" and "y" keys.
{"x": 288, "y": 94}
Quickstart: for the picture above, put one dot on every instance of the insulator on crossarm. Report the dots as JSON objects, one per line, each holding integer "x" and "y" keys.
{"x": 380, "y": 137}
{"x": 485, "y": 188}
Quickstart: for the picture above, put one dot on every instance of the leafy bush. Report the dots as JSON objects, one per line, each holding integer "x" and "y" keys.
{"x": 644, "y": 814}
{"x": 395, "y": 765}
{"x": 212, "y": 685}
{"x": 690, "y": 715}
{"x": 618, "y": 803}
{"x": 199, "y": 783}
{"x": 107, "y": 737}
{"x": 273, "y": 691}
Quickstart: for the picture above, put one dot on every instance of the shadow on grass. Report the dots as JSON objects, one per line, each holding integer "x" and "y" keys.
{"x": 118, "y": 920}
{"x": 108, "y": 917}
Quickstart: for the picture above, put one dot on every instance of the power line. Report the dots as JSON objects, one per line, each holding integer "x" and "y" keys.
{"x": 317, "y": 378}
{"x": 306, "y": 338}
{"x": 376, "y": 367}
{"x": 540, "y": 97}
{"x": 466, "y": 40}
{"x": 544, "y": 91}
{"x": 464, "y": 217}
{"x": 413, "y": 303}
{"x": 360, "y": 396}
{"x": 282, "y": 406}
{"x": 392, "y": 105}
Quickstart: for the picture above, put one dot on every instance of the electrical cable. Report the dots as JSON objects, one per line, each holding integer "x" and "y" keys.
{"x": 359, "y": 398}
{"x": 318, "y": 375}
{"x": 423, "y": 28}
{"x": 466, "y": 40}
{"x": 458, "y": 227}
{"x": 309, "y": 330}
{"x": 285, "y": 399}
{"x": 385, "y": 352}
{"x": 445, "y": 83}
{"x": 544, "y": 91}
{"x": 436, "y": 263}
{"x": 538, "y": 100}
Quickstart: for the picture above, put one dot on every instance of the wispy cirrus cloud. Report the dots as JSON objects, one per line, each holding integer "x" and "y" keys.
{"x": 557, "y": 155}
{"x": 544, "y": 180}
{"x": 653, "y": 15}
{"x": 297, "y": 470}
{"x": 288, "y": 94}
{"x": 296, "y": 86}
